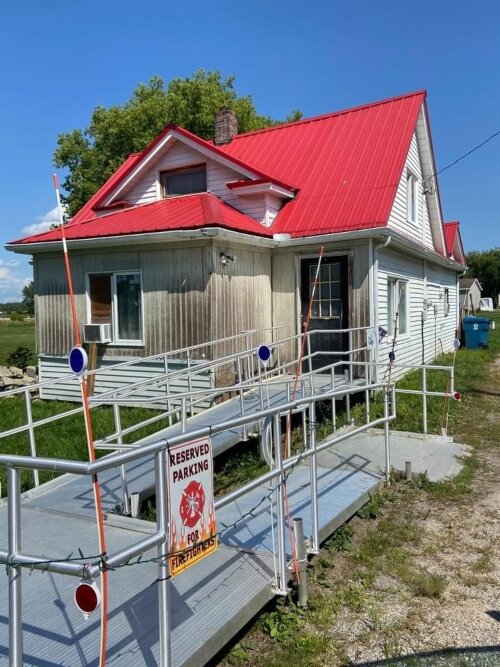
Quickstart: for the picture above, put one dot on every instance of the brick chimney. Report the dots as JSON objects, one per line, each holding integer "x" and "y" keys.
{"x": 226, "y": 126}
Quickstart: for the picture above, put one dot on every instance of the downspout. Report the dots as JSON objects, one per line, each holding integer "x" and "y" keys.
{"x": 374, "y": 296}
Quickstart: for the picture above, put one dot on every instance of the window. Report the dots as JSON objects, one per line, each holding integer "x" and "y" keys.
{"x": 184, "y": 181}
{"x": 411, "y": 197}
{"x": 327, "y": 302}
{"x": 397, "y": 305}
{"x": 116, "y": 299}
{"x": 446, "y": 302}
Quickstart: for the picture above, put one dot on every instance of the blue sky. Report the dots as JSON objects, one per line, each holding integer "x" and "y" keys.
{"x": 59, "y": 60}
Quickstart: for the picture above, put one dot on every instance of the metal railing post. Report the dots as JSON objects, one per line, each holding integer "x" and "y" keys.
{"x": 298, "y": 531}
{"x": 244, "y": 433}
{"x": 190, "y": 381}
{"x": 31, "y": 432}
{"x": 282, "y": 571}
{"x": 119, "y": 441}
{"x": 424, "y": 398}
{"x": 350, "y": 356}
{"x": 367, "y": 401}
{"x": 167, "y": 389}
{"x": 183, "y": 414}
{"x": 308, "y": 341}
{"x": 15, "y": 591}
{"x": 313, "y": 475}
{"x": 163, "y": 565}
{"x": 387, "y": 439}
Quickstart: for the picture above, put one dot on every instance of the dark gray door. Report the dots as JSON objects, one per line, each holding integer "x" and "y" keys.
{"x": 329, "y": 307}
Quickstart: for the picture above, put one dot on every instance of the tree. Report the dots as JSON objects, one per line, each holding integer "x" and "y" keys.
{"x": 29, "y": 298}
{"x": 485, "y": 266}
{"x": 93, "y": 154}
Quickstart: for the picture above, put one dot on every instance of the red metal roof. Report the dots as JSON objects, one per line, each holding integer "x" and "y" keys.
{"x": 174, "y": 213}
{"x": 346, "y": 165}
{"x": 451, "y": 236}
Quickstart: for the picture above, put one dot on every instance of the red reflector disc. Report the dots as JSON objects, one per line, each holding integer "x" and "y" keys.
{"x": 87, "y": 598}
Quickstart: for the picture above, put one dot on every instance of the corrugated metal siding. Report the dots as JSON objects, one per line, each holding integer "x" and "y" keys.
{"x": 54, "y": 367}
{"x": 240, "y": 296}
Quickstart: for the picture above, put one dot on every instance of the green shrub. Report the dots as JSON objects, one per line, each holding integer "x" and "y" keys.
{"x": 21, "y": 357}
{"x": 16, "y": 317}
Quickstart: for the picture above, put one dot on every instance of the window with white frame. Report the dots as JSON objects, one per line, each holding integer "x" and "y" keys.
{"x": 397, "y": 306}
{"x": 446, "y": 302}
{"x": 116, "y": 299}
{"x": 411, "y": 197}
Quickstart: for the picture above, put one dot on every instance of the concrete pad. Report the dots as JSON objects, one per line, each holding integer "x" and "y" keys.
{"x": 438, "y": 456}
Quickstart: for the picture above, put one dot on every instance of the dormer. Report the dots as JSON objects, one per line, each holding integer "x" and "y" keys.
{"x": 261, "y": 197}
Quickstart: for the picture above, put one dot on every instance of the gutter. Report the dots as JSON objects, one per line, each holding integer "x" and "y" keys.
{"x": 277, "y": 241}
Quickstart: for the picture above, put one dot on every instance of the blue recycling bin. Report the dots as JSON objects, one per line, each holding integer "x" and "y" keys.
{"x": 476, "y": 332}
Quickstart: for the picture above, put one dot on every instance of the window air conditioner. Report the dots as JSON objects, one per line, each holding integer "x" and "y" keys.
{"x": 97, "y": 333}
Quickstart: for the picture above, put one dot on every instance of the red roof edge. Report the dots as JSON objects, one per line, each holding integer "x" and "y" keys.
{"x": 452, "y": 236}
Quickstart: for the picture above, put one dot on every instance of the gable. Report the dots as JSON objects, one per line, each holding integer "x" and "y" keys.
{"x": 427, "y": 227}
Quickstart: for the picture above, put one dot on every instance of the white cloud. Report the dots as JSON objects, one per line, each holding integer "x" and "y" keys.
{"x": 44, "y": 222}
{"x": 13, "y": 277}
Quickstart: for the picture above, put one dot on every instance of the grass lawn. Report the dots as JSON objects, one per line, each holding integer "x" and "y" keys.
{"x": 16, "y": 334}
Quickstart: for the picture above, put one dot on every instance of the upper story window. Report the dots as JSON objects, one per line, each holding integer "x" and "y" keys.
{"x": 184, "y": 181}
{"x": 116, "y": 299}
{"x": 411, "y": 197}
{"x": 397, "y": 306}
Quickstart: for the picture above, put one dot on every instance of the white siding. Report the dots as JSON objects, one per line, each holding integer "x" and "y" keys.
{"x": 54, "y": 368}
{"x": 419, "y": 231}
{"x": 424, "y": 282}
{"x": 145, "y": 188}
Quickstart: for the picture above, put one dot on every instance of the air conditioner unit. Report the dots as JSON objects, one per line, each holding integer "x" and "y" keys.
{"x": 97, "y": 333}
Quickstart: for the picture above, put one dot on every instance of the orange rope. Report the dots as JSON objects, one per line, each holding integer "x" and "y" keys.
{"x": 287, "y": 443}
{"x": 90, "y": 441}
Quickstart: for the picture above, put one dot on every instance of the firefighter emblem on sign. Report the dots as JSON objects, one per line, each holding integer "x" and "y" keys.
{"x": 193, "y": 530}
{"x": 192, "y": 504}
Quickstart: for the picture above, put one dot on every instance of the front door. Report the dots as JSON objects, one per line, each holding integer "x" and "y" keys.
{"x": 329, "y": 308}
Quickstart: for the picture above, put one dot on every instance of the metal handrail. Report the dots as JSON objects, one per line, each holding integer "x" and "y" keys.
{"x": 17, "y": 560}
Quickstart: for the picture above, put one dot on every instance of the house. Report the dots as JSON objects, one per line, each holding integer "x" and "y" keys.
{"x": 469, "y": 295}
{"x": 193, "y": 240}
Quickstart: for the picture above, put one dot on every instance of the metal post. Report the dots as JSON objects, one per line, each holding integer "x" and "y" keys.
{"x": 135, "y": 506}
{"x": 424, "y": 398}
{"x": 282, "y": 571}
{"x": 190, "y": 382}
{"x": 350, "y": 356}
{"x": 183, "y": 414}
{"x": 408, "y": 473}
{"x": 304, "y": 427}
{"x": 31, "y": 432}
{"x": 163, "y": 567}
{"x": 300, "y": 550}
{"x": 244, "y": 434}
{"x": 313, "y": 474}
{"x": 367, "y": 401}
{"x": 15, "y": 592}
{"x": 123, "y": 474}
{"x": 387, "y": 440}
{"x": 249, "y": 356}
{"x": 167, "y": 389}
{"x": 308, "y": 341}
